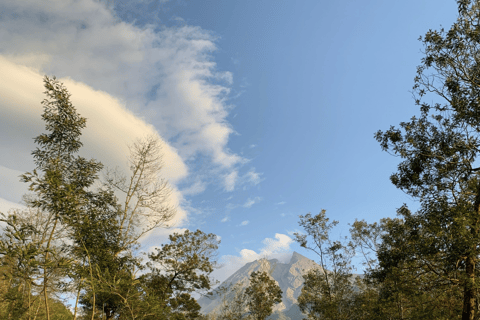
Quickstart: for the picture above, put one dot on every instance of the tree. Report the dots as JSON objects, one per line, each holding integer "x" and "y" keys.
{"x": 22, "y": 243}
{"x": 262, "y": 293}
{"x": 101, "y": 269}
{"x": 234, "y": 303}
{"x": 77, "y": 239}
{"x": 22, "y": 246}
{"x": 61, "y": 180}
{"x": 327, "y": 292}
{"x": 439, "y": 151}
{"x": 145, "y": 192}
{"x": 412, "y": 279}
{"x": 63, "y": 198}
{"x": 179, "y": 268}
{"x": 20, "y": 258}
{"x": 144, "y": 208}
{"x": 368, "y": 302}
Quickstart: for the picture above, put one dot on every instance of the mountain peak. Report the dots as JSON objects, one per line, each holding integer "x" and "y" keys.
{"x": 289, "y": 277}
{"x": 296, "y": 257}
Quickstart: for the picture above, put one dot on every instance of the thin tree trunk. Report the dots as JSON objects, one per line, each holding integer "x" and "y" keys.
{"x": 469, "y": 291}
{"x": 76, "y": 302}
{"x": 29, "y": 301}
{"x": 36, "y": 312}
{"x": 45, "y": 277}
{"x": 93, "y": 308}
{"x": 91, "y": 280}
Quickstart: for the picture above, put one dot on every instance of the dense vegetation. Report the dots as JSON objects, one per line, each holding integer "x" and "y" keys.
{"x": 75, "y": 240}
{"x": 78, "y": 240}
{"x": 79, "y": 236}
{"x": 424, "y": 264}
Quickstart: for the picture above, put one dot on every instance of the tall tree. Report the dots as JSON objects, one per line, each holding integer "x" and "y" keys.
{"x": 145, "y": 207}
{"x": 177, "y": 269}
{"x": 146, "y": 193}
{"x": 261, "y": 295}
{"x": 234, "y": 302}
{"x": 440, "y": 150}
{"x": 413, "y": 278}
{"x": 73, "y": 230}
{"x": 96, "y": 247}
{"x": 61, "y": 179}
{"x": 327, "y": 292}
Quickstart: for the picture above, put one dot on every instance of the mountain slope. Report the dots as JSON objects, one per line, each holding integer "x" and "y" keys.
{"x": 287, "y": 275}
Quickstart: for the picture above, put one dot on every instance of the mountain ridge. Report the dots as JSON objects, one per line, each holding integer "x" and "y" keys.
{"x": 287, "y": 275}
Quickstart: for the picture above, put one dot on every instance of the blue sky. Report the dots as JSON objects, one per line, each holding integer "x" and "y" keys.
{"x": 267, "y": 108}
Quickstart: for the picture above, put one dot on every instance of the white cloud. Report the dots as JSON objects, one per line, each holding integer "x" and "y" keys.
{"x": 225, "y": 219}
{"x": 110, "y": 129}
{"x": 230, "y": 180}
{"x": 153, "y": 242}
{"x": 196, "y": 188}
{"x": 163, "y": 75}
{"x": 281, "y": 243}
{"x": 250, "y": 202}
{"x": 253, "y": 177}
{"x": 11, "y": 188}
{"x": 244, "y": 223}
{"x": 6, "y": 206}
{"x": 230, "y": 206}
{"x": 278, "y": 248}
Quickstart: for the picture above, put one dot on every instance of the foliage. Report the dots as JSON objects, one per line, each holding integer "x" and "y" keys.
{"x": 177, "y": 269}
{"x": 234, "y": 308}
{"x": 144, "y": 209}
{"x": 255, "y": 301}
{"x": 61, "y": 180}
{"x": 74, "y": 239}
{"x": 262, "y": 293}
{"x": 439, "y": 151}
{"x": 327, "y": 292}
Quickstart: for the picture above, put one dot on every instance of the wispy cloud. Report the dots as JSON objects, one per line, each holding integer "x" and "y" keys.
{"x": 196, "y": 188}
{"x": 166, "y": 75}
{"x": 230, "y": 180}
{"x": 253, "y": 177}
{"x": 250, "y": 202}
{"x": 244, "y": 223}
{"x": 233, "y": 179}
{"x": 281, "y": 203}
{"x": 230, "y": 206}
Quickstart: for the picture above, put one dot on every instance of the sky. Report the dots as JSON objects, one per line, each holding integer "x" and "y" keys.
{"x": 266, "y": 109}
